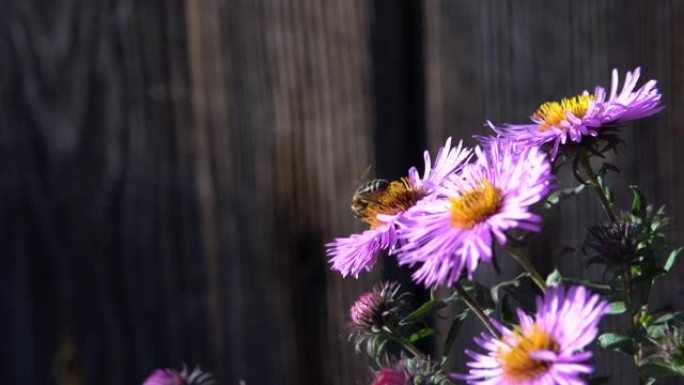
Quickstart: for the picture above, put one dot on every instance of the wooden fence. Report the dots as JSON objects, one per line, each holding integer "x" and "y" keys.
{"x": 171, "y": 169}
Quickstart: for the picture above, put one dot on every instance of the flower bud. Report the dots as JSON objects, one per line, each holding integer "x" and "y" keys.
{"x": 391, "y": 377}
{"x": 615, "y": 243}
{"x": 372, "y": 310}
{"x": 367, "y": 310}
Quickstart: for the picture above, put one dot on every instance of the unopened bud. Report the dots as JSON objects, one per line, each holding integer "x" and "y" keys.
{"x": 392, "y": 377}
{"x": 615, "y": 243}
{"x": 372, "y": 310}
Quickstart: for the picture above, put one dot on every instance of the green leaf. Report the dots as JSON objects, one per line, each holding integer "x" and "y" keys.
{"x": 422, "y": 333}
{"x": 661, "y": 325}
{"x": 672, "y": 258}
{"x": 453, "y": 331}
{"x": 657, "y": 368}
{"x": 598, "y": 287}
{"x": 618, "y": 343}
{"x": 554, "y": 278}
{"x": 379, "y": 350}
{"x": 617, "y": 308}
{"x": 607, "y": 190}
{"x": 656, "y": 331}
{"x": 561, "y": 194}
{"x": 422, "y": 311}
{"x": 667, "y": 317}
{"x": 638, "y": 202}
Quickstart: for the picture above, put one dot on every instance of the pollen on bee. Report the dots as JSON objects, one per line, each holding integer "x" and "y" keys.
{"x": 552, "y": 113}
{"x": 399, "y": 196}
{"x": 476, "y": 205}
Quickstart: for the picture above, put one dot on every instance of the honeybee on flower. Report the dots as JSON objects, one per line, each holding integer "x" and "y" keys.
{"x": 380, "y": 204}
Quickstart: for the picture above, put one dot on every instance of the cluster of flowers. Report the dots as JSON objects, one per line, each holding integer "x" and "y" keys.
{"x": 445, "y": 220}
{"x": 443, "y": 223}
{"x": 545, "y": 348}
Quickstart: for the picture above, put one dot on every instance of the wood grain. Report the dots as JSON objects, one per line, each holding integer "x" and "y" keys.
{"x": 172, "y": 169}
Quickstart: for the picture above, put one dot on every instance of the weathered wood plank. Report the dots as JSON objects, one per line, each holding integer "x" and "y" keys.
{"x": 171, "y": 170}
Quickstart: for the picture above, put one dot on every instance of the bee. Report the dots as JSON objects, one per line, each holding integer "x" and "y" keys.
{"x": 367, "y": 193}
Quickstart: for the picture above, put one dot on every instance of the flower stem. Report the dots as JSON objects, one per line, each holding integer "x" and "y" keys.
{"x": 475, "y": 307}
{"x": 527, "y": 265}
{"x": 626, "y": 291}
{"x": 408, "y": 345}
{"x": 635, "y": 315}
{"x": 593, "y": 180}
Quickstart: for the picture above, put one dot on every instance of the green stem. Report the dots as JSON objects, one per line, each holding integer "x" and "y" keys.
{"x": 593, "y": 180}
{"x": 475, "y": 307}
{"x": 527, "y": 265}
{"x": 408, "y": 345}
{"x": 634, "y": 315}
{"x": 626, "y": 292}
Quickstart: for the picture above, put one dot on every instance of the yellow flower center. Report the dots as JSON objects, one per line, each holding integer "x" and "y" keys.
{"x": 476, "y": 205}
{"x": 516, "y": 362}
{"x": 552, "y": 113}
{"x": 398, "y": 197}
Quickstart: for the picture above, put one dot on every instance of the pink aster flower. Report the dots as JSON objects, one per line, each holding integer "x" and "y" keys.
{"x": 585, "y": 114}
{"x": 545, "y": 349}
{"x": 382, "y": 207}
{"x": 184, "y": 377}
{"x": 475, "y": 206}
{"x": 392, "y": 377}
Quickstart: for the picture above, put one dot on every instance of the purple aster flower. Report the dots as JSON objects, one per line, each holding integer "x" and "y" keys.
{"x": 486, "y": 198}
{"x": 584, "y": 114}
{"x": 545, "y": 349}
{"x": 359, "y": 252}
{"x": 184, "y": 377}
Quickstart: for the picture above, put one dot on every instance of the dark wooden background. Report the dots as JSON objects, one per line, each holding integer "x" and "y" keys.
{"x": 171, "y": 169}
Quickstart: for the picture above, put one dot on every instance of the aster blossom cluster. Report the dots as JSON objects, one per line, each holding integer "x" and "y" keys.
{"x": 464, "y": 206}
{"x": 479, "y": 204}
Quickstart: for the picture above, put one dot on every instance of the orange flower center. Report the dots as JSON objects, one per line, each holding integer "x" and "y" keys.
{"x": 517, "y": 365}
{"x": 475, "y": 205}
{"x": 398, "y": 197}
{"x": 552, "y": 113}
